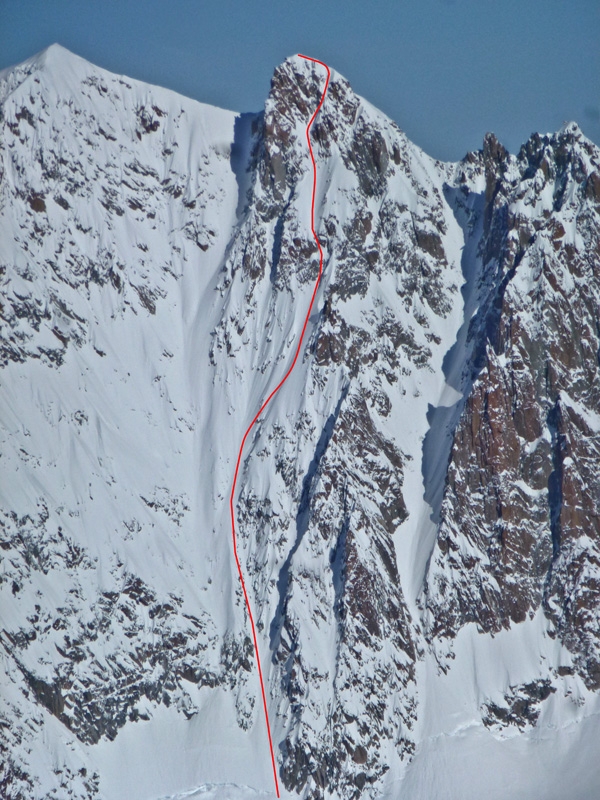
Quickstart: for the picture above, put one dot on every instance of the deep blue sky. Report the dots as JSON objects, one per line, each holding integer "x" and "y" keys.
{"x": 446, "y": 70}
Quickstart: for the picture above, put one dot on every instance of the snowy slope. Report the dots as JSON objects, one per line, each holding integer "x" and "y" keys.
{"x": 109, "y": 290}
{"x": 156, "y": 262}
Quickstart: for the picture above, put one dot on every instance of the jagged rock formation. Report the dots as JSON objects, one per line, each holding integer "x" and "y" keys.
{"x": 519, "y": 520}
{"x": 426, "y": 484}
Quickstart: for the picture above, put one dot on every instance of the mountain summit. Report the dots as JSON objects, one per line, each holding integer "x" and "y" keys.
{"x": 419, "y": 507}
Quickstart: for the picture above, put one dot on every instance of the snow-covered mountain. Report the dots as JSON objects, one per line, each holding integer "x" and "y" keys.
{"x": 419, "y": 507}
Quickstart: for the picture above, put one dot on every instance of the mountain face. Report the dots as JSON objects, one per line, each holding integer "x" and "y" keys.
{"x": 419, "y": 507}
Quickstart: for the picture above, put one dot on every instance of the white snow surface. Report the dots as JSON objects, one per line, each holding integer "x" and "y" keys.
{"x": 126, "y": 449}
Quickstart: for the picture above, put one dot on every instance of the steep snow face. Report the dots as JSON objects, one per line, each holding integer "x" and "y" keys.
{"x": 157, "y": 262}
{"x": 323, "y": 484}
{"x": 117, "y": 203}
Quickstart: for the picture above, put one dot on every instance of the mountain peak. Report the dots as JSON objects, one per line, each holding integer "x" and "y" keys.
{"x": 55, "y": 56}
{"x": 296, "y": 81}
{"x": 300, "y": 65}
{"x": 55, "y": 51}
{"x": 55, "y": 63}
{"x": 60, "y": 61}
{"x": 296, "y": 87}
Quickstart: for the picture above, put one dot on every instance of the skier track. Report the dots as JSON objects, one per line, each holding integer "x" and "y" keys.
{"x": 262, "y": 408}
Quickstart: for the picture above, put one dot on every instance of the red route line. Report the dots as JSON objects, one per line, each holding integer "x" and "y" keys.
{"x": 265, "y": 404}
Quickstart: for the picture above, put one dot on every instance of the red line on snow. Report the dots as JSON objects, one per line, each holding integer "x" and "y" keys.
{"x": 262, "y": 408}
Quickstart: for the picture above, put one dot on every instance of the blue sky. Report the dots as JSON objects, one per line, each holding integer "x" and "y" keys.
{"x": 446, "y": 71}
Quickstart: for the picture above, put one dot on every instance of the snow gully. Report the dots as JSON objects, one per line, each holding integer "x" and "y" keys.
{"x": 265, "y": 404}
